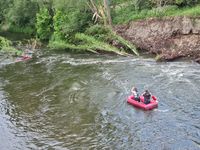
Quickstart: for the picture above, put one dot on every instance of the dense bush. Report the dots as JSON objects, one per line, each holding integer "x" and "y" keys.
{"x": 99, "y": 32}
{"x": 67, "y": 24}
{"x": 7, "y": 48}
{"x": 43, "y": 24}
{"x": 59, "y": 21}
{"x": 21, "y": 12}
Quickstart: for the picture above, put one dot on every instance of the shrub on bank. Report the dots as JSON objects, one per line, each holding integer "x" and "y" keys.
{"x": 4, "y": 42}
{"x": 95, "y": 39}
{"x": 6, "y": 47}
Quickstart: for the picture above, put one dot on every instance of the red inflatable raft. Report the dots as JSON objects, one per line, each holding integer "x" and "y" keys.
{"x": 23, "y": 58}
{"x": 153, "y": 103}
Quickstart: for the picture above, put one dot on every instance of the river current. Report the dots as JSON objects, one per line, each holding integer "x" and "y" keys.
{"x": 67, "y": 101}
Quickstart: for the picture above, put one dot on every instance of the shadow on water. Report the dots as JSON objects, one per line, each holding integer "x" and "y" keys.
{"x": 79, "y": 101}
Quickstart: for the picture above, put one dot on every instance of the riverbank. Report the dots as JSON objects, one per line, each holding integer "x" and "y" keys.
{"x": 169, "y": 38}
{"x": 166, "y": 38}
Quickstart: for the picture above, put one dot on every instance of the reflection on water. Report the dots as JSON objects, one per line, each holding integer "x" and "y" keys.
{"x": 79, "y": 102}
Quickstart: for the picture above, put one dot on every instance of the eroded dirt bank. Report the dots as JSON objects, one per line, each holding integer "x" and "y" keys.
{"x": 171, "y": 37}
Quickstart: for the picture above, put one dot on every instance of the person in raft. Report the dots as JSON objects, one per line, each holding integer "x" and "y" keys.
{"x": 134, "y": 92}
{"x": 27, "y": 53}
{"x": 147, "y": 96}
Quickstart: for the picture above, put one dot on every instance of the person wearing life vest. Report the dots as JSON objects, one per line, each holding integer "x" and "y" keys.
{"x": 27, "y": 53}
{"x": 134, "y": 92}
{"x": 147, "y": 96}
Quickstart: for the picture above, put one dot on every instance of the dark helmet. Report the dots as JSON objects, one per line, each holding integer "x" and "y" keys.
{"x": 147, "y": 92}
{"x": 135, "y": 89}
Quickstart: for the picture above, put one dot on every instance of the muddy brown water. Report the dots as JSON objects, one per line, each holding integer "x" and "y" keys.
{"x": 66, "y": 101}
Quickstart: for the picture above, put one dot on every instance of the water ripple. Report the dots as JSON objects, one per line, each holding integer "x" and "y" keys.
{"x": 79, "y": 102}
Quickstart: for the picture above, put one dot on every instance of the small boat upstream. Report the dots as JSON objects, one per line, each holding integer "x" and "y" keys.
{"x": 26, "y": 56}
{"x": 22, "y": 58}
{"x": 153, "y": 103}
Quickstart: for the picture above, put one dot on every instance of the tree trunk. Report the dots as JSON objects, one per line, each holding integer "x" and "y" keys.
{"x": 107, "y": 10}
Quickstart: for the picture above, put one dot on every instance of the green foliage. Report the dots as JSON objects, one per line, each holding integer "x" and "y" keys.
{"x": 43, "y": 24}
{"x": 4, "y": 42}
{"x": 59, "y": 45}
{"x": 99, "y": 32}
{"x": 124, "y": 16}
{"x": 95, "y": 44}
{"x": 11, "y": 51}
{"x": 96, "y": 38}
{"x": 5, "y": 47}
{"x": 67, "y": 24}
{"x": 22, "y": 13}
{"x": 126, "y": 43}
{"x": 17, "y": 29}
{"x": 59, "y": 21}
{"x": 4, "y": 8}
{"x": 142, "y": 4}
{"x": 194, "y": 11}
{"x": 65, "y": 18}
{"x": 106, "y": 34}
{"x": 86, "y": 43}
{"x": 64, "y": 5}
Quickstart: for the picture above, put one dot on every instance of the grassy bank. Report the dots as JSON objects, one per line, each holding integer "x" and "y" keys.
{"x": 85, "y": 26}
{"x": 96, "y": 39}
{"x": 126, "y": 14}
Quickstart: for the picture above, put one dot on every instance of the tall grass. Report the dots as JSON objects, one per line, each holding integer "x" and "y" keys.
{"x": 96, "y": 38}
{"x": 125, "y": 43}
{"x": 86, "y": 43}
{"x": 125, "y": 15}
{"x": 106, "y": 34}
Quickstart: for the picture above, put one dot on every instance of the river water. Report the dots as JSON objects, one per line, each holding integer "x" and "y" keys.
{"x": 67, "y": 101}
